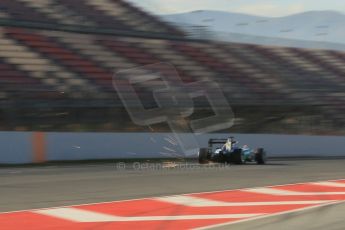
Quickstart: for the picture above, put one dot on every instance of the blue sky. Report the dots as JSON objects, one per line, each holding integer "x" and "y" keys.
{"x": 269, "y": 8}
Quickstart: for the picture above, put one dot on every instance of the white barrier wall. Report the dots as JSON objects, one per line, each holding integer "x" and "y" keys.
{"x": 15, "y": 147}
{"x": 22, "y": 147}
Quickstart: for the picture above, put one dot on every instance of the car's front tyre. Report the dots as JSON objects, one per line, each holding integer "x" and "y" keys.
{"x": 260, "y": 156}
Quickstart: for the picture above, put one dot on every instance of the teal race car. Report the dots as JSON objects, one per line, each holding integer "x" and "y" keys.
{"x": 227, "y": 151}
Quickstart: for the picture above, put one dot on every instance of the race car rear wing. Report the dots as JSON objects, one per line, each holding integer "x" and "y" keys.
{"x": 219, "y": 141}
{"x": 216, "y": 141}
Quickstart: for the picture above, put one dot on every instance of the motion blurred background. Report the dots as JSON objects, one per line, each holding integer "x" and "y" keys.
{"x": 58, "y": 57}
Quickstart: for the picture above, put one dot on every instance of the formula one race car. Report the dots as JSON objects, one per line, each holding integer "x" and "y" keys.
{"x": 229, "y": 153}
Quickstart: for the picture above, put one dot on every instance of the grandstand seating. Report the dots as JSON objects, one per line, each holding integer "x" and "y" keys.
{"x": 107, "y": 14}
{"x": 85, "y": 63}
{"x": 60, "y": 66}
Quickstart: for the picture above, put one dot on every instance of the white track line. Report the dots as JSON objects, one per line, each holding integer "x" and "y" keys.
{"x": 330, "y": 184}
{"x": 79, "y": 215}
{"x": 281, "y": 192}
{"x": 195, "y": 193}
{"x": 201, "y": 202}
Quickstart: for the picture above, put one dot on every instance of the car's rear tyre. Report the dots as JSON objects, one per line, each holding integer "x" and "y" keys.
{"x": 203, "y": 155}
{"x": 260, "y": 156}
{"x": 237, "y": 157}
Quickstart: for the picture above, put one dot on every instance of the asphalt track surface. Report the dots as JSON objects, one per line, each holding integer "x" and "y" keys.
{"x": 63, "y": 185}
